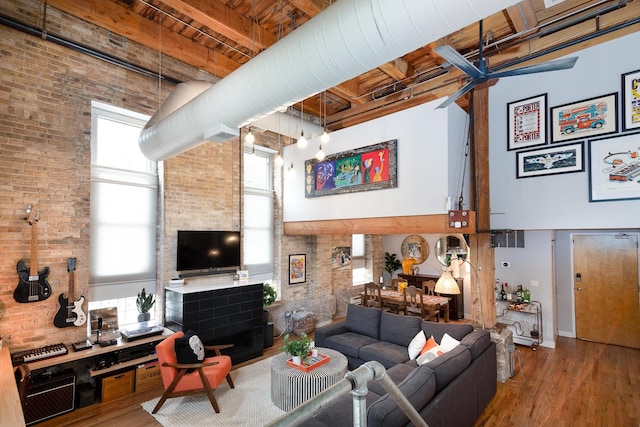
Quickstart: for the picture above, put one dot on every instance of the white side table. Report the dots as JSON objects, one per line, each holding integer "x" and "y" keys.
{"x": 290, "y": 387}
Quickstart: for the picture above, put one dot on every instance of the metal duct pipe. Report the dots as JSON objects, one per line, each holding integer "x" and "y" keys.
{"x": 345, "y": 40}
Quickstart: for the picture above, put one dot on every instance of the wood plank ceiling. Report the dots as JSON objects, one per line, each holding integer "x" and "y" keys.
{"x": 219, "y": 36}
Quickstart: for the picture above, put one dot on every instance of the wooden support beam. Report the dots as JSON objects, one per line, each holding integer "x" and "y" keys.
{"x": 482, "y": 254}
{"x": 523, "y": 16}
{"x": 414, "y": 224}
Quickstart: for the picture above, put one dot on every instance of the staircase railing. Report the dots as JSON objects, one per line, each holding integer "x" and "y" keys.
{"x": 355, "y": 382}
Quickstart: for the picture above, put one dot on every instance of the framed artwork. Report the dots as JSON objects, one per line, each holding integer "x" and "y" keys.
{"x": 631, "y": 100}
{"x": 297, "y": 269}
{"x": 614, "y": 168}
{"x": 363, "y": 169}
{"x": 527, "y": 122}
{"x": 341, "y": 258}
{"x": 585, "y": 119}
{"x": 416, "y": 247}
{"x": 550, "y": 160}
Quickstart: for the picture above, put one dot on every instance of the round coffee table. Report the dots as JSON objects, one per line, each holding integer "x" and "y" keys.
{"x": 290, "y": 386}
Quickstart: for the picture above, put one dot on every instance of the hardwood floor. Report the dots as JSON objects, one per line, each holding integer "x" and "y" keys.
{"x": 576, "y": 384}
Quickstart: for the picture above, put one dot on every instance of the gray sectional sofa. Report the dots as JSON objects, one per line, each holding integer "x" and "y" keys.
{"x": 451, "y": 390}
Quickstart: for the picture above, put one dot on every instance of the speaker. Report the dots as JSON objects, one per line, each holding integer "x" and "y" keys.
{"x": 50, "y": 397}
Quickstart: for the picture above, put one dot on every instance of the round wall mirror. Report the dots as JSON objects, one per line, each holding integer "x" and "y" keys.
{"x": 416, "y": 247}
{"x": 450, "y": 246}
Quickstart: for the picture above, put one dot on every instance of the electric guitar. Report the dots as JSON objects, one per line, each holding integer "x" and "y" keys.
{"x": 70, "y": 314}
{"x": 32, "y": 285}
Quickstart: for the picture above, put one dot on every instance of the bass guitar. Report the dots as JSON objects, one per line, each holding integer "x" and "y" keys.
{"x": 70, "y": 314}
{"x": 32, "y": 285}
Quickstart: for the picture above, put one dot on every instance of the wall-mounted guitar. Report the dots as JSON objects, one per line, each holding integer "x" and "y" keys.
{"x": 70, "y": 314}
{"x": 33, "y": 285}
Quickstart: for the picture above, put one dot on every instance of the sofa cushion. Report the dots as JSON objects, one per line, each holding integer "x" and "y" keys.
{"x": 449, "y": 365}
{"x": 363, "y": 320}
{"x": 349, "y": 343}
{"x": 430, "y": 354}
{"x": 438, "y": 330}
{"x": 448, "y": 342}
{"x": 418, "y": 387}
{"x": 398, "y": 329}
{"x": 477, "y": 342}
{"x": 397, "y": 374}
{"x": 416, "y": 345}
{"x": 387, "y": 353}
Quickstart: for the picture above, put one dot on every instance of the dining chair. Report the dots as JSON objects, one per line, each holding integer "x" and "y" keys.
{"x": 429, "y": 288}
{"x": 413, "y": 303}
{"x": 183, "y": 379}
{"x": 373, "y": 298}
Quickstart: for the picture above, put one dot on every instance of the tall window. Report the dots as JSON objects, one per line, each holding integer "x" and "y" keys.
{"x": 124, "y": 203}
{"x": 258, "y": 213}
{"x": 358, "y": 259}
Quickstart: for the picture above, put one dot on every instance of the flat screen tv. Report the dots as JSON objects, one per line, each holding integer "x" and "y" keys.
{"x": 213, "y": 251}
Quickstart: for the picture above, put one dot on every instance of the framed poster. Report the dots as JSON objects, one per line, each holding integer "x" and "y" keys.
{"x": 341, "y": 258}
{"x": 550, "y": 160}
{"x": 631, "y": 100}
{"x": 614, "y": 168}
{"x": 297, "y": 269}
{"x": 527, "y": 122}
{"x": 585, "y": 119}
{"x": 362, "y": 169}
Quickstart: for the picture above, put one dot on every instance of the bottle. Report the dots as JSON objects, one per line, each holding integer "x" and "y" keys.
{"x": 509, "y": 295}
{"x": 519, "y": 294}
{"x": 527, "y": 295}
{"x": 503, "y": 293}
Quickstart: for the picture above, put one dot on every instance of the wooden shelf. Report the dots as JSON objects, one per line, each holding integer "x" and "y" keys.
{"x": 96, "y": 350}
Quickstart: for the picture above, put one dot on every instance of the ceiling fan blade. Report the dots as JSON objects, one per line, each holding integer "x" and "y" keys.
{"x": 560, "y": 64}
{"x": 459, "y": 61}
{"x": 458, "y": 94}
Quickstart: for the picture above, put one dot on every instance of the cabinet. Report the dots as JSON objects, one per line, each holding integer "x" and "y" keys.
{"x": 456, "y": 302}
{"x": 524, "y": 320}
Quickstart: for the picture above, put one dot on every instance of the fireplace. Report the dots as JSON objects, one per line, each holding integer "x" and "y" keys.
{"x": 220, "y": 316}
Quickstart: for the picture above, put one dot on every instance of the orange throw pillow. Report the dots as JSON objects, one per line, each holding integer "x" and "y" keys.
{"x": 431, "y": 343}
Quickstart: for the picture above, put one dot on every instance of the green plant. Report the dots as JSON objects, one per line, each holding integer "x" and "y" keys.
{"x": 391, "y": 263}
{"x": 269, "y": 295}
{"x": 144, "y": 302}
{"x": 299, "y": 347}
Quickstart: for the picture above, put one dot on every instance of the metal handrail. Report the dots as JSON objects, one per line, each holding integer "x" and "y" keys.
{"x": 356, "y": 382}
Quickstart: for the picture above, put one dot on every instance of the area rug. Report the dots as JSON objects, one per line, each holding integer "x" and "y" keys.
{"x": 248, "y": 404}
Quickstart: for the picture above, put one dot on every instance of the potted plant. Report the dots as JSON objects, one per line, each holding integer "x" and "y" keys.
{"x": 144, "y": 303}
{"x": 269, "y": 296}
{"x": 391, "y": 263}
{"x": 298, "y": 349}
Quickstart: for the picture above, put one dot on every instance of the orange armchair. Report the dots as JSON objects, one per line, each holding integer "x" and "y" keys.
{"x": 186, "y": 379}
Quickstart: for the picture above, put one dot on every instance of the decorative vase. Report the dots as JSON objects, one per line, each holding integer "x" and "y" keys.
{"x": 297, "y": 360}
{"x": 407, "y": 265}
{"x": 144, "y": 317}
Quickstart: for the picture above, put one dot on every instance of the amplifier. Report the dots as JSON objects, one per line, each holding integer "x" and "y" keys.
{"x": 136, "y": 352}
{"x": 50, "y": 397}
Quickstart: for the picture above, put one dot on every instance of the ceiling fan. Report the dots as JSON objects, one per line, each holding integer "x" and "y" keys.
{"x": 480, "y": 72}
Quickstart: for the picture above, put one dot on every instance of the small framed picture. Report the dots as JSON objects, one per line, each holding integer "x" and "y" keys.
{"x": 527, "y": 122}
{"x": 297, "y": 269}
{"x": 585, "y": 119}
{"x": 614, "y": 169}
{"x": 550, "y": 160}
{"x": 631, "y": 100}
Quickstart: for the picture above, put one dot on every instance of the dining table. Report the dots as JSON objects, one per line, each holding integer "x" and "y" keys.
{"x": 434, "y": 302}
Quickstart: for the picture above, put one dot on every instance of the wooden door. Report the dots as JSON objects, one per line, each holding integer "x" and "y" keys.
{"x": 606, "y": 289}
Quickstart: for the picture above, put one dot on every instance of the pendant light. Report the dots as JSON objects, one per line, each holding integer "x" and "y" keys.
{"x": 324, "y": 138}
{"x": 249, "y": 139}
{"x": 302, "y": 141}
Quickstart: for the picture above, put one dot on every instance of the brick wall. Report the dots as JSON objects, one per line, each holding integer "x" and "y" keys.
{"x": 45, "y": 122}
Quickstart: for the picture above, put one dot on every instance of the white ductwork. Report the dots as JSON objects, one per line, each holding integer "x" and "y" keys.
{"x": 345, "y": 40}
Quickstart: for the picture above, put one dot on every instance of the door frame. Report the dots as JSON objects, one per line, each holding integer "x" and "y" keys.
{"x": 573, "y": 274}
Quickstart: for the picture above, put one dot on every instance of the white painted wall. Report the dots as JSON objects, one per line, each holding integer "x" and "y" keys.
{"x": 535, "y": 263}
{"x": 557, "y": 201}
{"x": 430, "y": 143}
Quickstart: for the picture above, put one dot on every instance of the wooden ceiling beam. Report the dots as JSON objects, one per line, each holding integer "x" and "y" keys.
{"x": 310, "y": 7}
{"x": 119, "y": 20}
{"x": 222, "y": 19}
{"x": 523, "y": 16}
{"x": 398, "y": 69}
